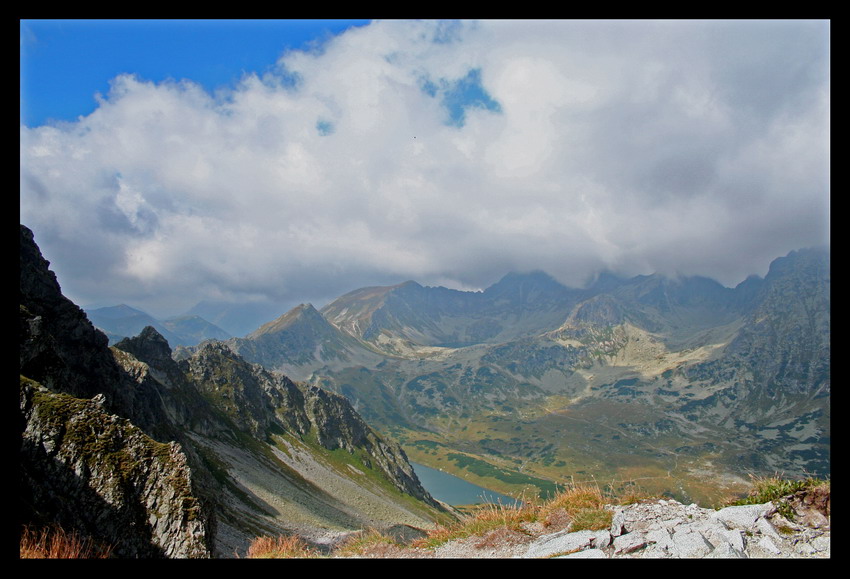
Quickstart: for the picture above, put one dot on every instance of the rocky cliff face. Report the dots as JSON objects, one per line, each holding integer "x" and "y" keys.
{"x": 88, "y": 470}
{"x": 58, "y": 345}
{"x": 84, "y": 461}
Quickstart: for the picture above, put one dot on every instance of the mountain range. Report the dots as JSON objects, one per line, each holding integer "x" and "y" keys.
{"x": 156, "y": 457}
{"x": 678, "y": 382}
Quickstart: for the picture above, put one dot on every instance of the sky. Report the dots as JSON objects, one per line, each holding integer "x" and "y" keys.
{"x": 165, "y": 163}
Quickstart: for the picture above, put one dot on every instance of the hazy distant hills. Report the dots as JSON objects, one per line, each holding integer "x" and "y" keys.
{"x": 679, "y": 378}
{"x": 206, "y": 320}
{"x": 122, "y": 321}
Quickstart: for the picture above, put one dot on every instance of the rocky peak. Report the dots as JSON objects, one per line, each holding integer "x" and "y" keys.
{"x": 299, "y": 315}
{"x": 606, "y": 281}
{"x": 149, "y": 347}
{"x": 526, "y": 290}
{"x": 811, "y": 260}
{"x": 252, "y": 398}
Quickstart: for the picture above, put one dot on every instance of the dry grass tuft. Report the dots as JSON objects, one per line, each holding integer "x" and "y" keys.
{"x": 591, "y": 520}
{"x": 581, "y": 507}
{"x": 632, "y": 494}
{"x": 283, "y": 547}
{"x": 54, "y": 543}
{"x": 501, "y": 537}
{"x": 576, "y": 498}
{"x": 370, "y": 543}
{"x": 487, "y": 518}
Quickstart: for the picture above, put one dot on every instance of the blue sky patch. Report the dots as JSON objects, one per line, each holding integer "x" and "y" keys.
{"x": 459, "y": 95}
{"x": 65, "y": 62}
{"x": 447, "y": 31}
{"x": 325, "y": 128}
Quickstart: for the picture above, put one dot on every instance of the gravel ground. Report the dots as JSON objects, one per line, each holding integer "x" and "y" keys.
{"x": 317, "y": 503}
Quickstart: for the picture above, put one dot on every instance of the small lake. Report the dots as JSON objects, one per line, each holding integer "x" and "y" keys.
{"x": 456, "y": 491}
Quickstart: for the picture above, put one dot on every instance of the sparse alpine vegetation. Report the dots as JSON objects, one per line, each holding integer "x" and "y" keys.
{"x": 586, "y": 521}
{"x": 775, "y": 488}
{"x": 579, "y": 507}
{"x": 283, "y": 547}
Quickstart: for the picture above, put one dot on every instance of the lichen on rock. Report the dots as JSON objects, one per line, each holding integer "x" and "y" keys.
{"x": 90, "y": 470}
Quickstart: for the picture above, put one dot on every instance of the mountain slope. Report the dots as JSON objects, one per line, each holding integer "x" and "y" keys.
{"x": 773, "y": 381}
{"x": 84, "y": 462}
{"x": 286, "y": 458}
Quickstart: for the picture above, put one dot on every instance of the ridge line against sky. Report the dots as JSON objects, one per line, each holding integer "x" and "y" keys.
{"x": 292, "y": 161}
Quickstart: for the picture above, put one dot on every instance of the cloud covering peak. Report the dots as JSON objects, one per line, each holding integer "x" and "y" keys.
{"x": 450, "y": 153}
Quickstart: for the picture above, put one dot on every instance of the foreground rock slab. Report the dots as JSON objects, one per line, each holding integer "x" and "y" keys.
{"x": 667, "y": 529}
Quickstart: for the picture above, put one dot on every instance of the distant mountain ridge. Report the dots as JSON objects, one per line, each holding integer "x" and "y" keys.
{"x": 436, "y": 315}
{"x": 123, "y": 321}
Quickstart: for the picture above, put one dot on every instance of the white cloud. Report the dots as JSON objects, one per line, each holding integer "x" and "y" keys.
{"x": 636, "y": 146}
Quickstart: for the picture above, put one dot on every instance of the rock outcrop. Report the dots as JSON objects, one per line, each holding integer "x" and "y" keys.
{"x": 86, "y": 469}
{"x": 667, "y": 529}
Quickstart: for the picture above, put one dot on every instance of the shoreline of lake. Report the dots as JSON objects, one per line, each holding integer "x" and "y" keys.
{"x": 456, "y": 491}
